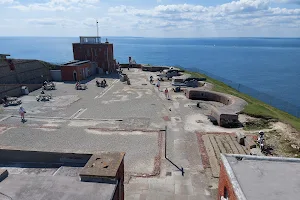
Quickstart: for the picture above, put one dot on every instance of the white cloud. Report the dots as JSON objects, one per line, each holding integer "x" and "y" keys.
{"x": 57, "y": 5}
{"x": 236, "y": 18}
{"x": 6, "y": 1}
{"x": 65, "y": 22}
{"x": 287, "y": 1}
{"x": 234, "y": 12}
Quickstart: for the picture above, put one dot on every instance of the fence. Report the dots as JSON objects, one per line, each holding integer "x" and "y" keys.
{"x": 268, "y": 99}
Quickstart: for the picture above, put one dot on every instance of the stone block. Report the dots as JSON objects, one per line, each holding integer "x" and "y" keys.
{"x": 240, "y": 138}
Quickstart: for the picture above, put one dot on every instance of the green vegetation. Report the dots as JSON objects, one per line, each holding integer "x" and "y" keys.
{"x": 257, "y": 124}
{"x": 50, "y": 65}
{"x": 255, "y": 108}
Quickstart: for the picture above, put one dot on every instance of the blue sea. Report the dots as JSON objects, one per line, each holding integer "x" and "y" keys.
{"x": 269, "y": 65}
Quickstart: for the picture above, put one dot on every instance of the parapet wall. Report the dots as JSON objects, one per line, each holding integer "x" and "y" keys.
{"x": 225, "y": 116}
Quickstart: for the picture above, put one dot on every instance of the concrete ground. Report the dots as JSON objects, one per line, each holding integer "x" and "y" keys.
{"x": 127, "y": 118}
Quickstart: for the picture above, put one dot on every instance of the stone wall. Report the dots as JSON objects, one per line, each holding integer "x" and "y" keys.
{"x": 15, "y": 89}
{"x": 26, "y": 72}
{"x": 30, "y": 73}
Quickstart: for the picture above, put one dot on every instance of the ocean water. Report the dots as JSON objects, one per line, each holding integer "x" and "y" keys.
{"x": 269, "y": 65}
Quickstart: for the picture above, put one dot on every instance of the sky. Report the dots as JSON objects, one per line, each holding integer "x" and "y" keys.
{"x": 151, "y": 18}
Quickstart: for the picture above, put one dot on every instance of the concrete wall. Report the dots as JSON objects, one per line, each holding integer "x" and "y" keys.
{"x": 56, "y": 75}
{"x": 226, "y": 116}
{"x": 26, "y": 72}
{"x": 153, "y": 68}
{"x": 224, "y": 182}
{"x": 208, "y": 96}
{"x": 15, "y": 89}
{"x": 132, "y": 65}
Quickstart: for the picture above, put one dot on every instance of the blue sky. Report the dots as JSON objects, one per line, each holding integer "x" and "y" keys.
{"x": 151, "y": 18}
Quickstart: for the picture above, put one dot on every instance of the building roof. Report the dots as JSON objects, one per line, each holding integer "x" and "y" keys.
{"x": 34, "y": 187}
{"x": 75, "y": 63}
{"x": 259, "y": 177}
{"x": 34, "y": 175}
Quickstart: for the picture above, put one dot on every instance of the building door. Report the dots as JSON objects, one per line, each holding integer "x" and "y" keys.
{"x": 75, "y": 76}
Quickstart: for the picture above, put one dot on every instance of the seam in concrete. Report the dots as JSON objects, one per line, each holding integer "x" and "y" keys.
{"x": 5, "y": 118}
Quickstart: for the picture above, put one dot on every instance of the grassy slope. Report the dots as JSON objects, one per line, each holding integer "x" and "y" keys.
{"x": 255, "y": 107}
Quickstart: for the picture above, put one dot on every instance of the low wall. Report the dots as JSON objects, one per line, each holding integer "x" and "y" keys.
{"x": 15, "y": 89}
{"x": 56, "y": 75}
{"x": 226, "y": 116}
{"x": 154, "y": 68}
{"x": 132, "y": 66}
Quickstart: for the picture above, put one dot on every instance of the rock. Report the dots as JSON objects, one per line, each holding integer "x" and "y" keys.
{"x": 294, "y": 146}
{"x": 240, "y": 138}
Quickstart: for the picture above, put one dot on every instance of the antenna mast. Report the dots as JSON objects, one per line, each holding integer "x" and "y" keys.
{"x": 97, "y": 28}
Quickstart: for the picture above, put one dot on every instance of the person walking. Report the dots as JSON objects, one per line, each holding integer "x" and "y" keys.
{"x": 167, "y": 93}
{"x": 22, "y": 113}
{"x": 158, "y": 85}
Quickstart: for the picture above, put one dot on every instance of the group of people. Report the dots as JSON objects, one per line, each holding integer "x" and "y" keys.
{"x": 47, "y": 82}
{"x": 167, "y": 94}
{"x": 102, "y": 84}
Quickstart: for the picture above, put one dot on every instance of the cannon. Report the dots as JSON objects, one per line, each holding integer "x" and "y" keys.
{"x": 44, "y": 97}
{"x": 81, "y": 87}
{"x": 11, "y": 101}
{"x": 49, "y": 86}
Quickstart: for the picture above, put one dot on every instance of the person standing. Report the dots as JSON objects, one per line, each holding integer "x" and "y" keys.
{"x": 22, "y": 113}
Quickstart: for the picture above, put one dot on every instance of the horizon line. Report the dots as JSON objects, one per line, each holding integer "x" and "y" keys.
{"x": 160, "y": 37}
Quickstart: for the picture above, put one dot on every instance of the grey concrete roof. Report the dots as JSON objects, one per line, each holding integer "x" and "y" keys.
{"x": 75, "y": 63}
{"x": 267, "y": 178}
{"x": 28, "y": 187}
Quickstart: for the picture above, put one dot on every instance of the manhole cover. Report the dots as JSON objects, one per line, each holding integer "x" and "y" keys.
{"x": 169, "y": 174}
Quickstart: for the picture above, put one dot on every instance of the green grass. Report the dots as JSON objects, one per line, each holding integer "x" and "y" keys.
{"x": 255, "y": 108}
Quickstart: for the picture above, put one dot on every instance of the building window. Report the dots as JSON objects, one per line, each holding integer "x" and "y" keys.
{"x": 225, "y": 195}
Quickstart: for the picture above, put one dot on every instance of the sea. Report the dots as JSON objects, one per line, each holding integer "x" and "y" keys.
{"x": 267, "y": 65}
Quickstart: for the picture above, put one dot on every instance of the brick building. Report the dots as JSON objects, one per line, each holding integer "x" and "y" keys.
{"x": 91, "y": 48}
{"x": 77, "y": 70}
{"x": 245, "y": 177}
